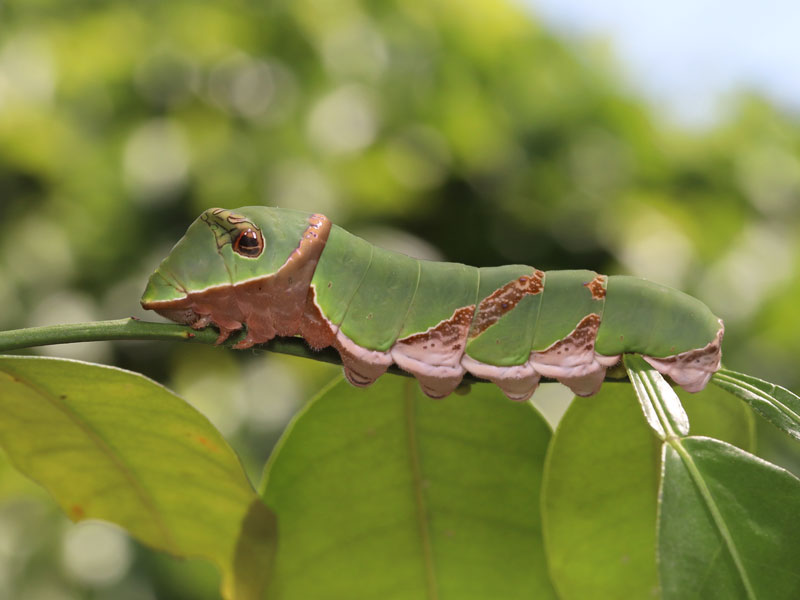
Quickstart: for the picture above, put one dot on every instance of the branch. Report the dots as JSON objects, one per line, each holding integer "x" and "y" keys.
{"x": 134, "y": 329}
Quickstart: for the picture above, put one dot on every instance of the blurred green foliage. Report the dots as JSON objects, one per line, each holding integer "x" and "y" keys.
{"x": 466, "y": 124}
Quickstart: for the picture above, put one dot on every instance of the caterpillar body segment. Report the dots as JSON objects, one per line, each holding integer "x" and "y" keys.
{"x": 282, "y": 272}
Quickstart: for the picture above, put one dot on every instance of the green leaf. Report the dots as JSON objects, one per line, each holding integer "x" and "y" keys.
{"x": 776, "y": 404}
{"x": 713, "y": 412}
{"x": 661, "y": 406}
{"x": 385, "y": 493}
{"x": 110, "y": 444}
{"x": 599, "y": 499}
{"x": 728, "y": 526}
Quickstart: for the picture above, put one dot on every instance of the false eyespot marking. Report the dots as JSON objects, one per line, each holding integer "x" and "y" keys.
{"x": 249, "y": 243}
{"x": 237, "y": 230}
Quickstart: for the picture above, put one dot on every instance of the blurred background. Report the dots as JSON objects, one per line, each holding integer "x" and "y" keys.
{"x": 661, "y": 144}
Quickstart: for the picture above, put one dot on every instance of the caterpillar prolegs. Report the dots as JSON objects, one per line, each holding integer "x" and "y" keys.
{"x": 283, "y": 272}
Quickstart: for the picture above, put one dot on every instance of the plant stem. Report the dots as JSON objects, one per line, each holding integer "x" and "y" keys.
{"x": 120, "y": 329}
{"x": 134, "y": 329}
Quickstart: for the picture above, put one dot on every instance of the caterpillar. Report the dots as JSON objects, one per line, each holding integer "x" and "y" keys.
{"x": 280, "y": 272}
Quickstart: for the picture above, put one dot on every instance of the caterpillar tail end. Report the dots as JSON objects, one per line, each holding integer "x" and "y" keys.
{"x": 692, "y": 369}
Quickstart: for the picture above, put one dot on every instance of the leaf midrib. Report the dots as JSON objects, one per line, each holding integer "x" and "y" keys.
{"x": 716, "y": 515}
{"x": 423, "y": 522}
{"x": 761, "y": 394}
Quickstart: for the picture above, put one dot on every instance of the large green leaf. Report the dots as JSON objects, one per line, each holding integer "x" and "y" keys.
{"x": 599, "y": 509}
{"x": 775, "y": 403}
{"x": 729, "y": 525}
{"x": 601, "y": 482}
{"x": 727, "y": 520}
{"x": 384, "y": 493}
{"x": 110, "y": 444}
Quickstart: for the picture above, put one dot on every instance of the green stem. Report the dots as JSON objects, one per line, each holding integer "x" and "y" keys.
{"x": 120, "y": 329}
{"x": 133, "y": 329}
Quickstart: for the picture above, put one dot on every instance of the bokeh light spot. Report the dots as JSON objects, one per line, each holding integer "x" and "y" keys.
{"x": 96, "y": 553}
{"x": 344, "y": 121}
{"x": 300, "y": 185}
{"x": 156, "y": 161}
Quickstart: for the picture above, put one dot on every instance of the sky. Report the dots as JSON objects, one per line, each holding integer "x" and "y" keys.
{"x": 690, "y": 57}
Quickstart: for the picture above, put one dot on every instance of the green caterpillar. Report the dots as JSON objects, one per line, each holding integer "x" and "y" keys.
{"x": 283, "y": 272}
